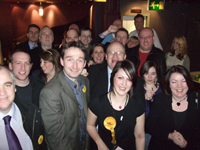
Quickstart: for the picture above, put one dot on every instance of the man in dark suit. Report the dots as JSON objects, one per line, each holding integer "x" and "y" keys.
{"x": 27, "y": 98}
{"x": 64, "y": 102}
{"x": 99, "y": 75}
{"x": 32, "y": 35}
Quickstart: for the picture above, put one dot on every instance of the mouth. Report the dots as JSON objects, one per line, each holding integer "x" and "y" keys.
{"x": 3, "y": 98}
{"x": 22, "y": 73}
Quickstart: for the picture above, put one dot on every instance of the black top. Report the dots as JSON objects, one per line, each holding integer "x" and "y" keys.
{"x": 161, "y": 122}
{"x": 124, "y": 130}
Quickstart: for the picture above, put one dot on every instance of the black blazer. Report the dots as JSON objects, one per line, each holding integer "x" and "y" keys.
{"x": 31, "y": 115}
{"x": 98, "y": 77}
{"x": 160, "y": 123}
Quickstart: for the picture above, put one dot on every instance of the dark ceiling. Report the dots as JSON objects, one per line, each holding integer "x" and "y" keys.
{"x": 71, "y": 1}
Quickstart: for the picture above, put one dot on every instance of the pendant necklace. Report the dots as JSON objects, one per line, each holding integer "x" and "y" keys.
{"x": 120, "y": 107}
{"x": 178, "y": 103}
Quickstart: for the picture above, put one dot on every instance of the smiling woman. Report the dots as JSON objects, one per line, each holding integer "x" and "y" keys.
{"x": 50, "y": 64}
{"x": 119, "y": 116}
{"x": 176, "y": 114}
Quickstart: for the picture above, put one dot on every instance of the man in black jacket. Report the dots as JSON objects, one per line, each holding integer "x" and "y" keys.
{"x": 146, "y": 51}
{"x": 27, "y": 98}
{"x": 32, "y": 42}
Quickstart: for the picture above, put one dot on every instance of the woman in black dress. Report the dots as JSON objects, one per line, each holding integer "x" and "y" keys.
{"x": 120, "y": 117}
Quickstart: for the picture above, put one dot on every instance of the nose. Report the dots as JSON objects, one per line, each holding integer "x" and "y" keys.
{"x": 149, "y": 76}
{"x": 124, "y": 82}
{"x": 2, "y": 91}
{"x": 74, "y": 64}
{"x": 22, "y": 66}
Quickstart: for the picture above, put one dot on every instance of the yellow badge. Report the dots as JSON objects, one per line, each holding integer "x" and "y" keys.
{"x": 110, "y": 123}
{"x": 84, "y": 89}
{"x": 40, "y": 139}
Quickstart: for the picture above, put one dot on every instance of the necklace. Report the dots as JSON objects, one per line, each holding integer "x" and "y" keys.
{"x": 178, "y": 103}
{"x": 120, "y": 107}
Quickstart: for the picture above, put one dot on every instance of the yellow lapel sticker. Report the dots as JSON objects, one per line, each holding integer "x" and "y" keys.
{"x": 84, "y": 89}
{"x": 40, "y": 139}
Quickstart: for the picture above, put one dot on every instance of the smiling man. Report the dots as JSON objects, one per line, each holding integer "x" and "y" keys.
{"x": 64, "y": 102}
{"x": 27, "y": 97}
{"x": 10, "y": 116}
{"x": 146, "y": 51}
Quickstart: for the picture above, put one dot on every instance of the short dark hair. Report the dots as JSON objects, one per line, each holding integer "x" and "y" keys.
{"x": 129, "y": 69}
{"x": 122, "y": 29}
{"x": 177, "y": 69}
{"x": 139, "y": 16}
{"x": 19, "y": 50}
{"x": 33, "y": 25}
{"x": 75, "y": 44}
{"x": 85, "y": 29}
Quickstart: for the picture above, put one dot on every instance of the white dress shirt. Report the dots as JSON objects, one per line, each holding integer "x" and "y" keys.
{"x": 109, "y": 75}
{"x": 17, "y": 126}
{"x": 156, "y": 41}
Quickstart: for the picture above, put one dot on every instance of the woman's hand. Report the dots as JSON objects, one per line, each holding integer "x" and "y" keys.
{"x": 178, "y": 139}
{"x": 149, "y": 94}
{"x": 102, "y": 147}
{"x": 90, "y": 63}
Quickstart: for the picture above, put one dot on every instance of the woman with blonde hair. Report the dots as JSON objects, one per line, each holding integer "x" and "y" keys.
{"x": 178, "y": 54}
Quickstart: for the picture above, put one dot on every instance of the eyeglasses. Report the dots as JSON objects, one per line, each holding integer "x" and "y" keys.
{"x": 148, "y": 37}
{"x": 32, "y": 32}
{"x": 113, "y": 53}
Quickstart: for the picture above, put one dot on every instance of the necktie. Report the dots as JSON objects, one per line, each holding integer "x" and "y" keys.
{"x": 13, "y": 141}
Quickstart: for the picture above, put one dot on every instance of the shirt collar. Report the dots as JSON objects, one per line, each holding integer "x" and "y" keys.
{"x": 31, "y": 45}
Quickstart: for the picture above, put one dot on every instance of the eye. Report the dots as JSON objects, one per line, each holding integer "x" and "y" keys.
{"x": 8, "y": 85}
{"x": 80, "y": 60}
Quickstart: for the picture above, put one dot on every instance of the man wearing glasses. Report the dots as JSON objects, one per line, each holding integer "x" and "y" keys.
{"x": 146, "y": 51}
{"x": 33, "y": 36}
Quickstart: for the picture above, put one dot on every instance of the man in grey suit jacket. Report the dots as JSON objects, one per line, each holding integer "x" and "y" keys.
{"x": 64, "y": 102}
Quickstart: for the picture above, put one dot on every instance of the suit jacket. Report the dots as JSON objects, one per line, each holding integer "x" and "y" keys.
{"x": 61, "y": 114}
{"x": 160, "y": 123}
{"x": 31, "y": 115}
{"x": 98, "y": 77}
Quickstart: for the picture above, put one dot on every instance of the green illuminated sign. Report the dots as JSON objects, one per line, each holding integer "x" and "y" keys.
{"x": 156, "y": 5}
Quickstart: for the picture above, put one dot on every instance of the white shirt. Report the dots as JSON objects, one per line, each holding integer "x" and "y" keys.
{"x": 156, "y": 41}
{"x": 17, "y": 126}
{"x": 109, "y": 75}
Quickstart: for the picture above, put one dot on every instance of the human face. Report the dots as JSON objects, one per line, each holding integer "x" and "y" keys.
{"x": 46, "y": 37}
{"x": 98, "y": 54}
{"x": 176, "y": 44}
{"x": 122, "y": 37}
{"x": 85, "y": 37}
{"x": 122, "y": 83}
{"x": 178, "y": 85}
{"x": 47, "y": 67}
{"x": 118, "y": 23}
{"x": 7, "y": 91}
{"x": 139, "y": 23}
{"x": 72, "y": 35}
{"x": 20, "y": 66}
{"x": 146, "y": 39}
{"x": 73, "y": 62}
{"x": 115, "y": 53}
{"x": 151, "y": 76}
{"x": 33, "y": 35}
{"x": 132, "y": 43}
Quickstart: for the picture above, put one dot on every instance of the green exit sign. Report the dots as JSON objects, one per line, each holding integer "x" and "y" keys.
{"x": 156, "y": 5}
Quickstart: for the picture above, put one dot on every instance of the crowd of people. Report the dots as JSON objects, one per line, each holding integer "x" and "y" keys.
{"x": 115, "y": 91}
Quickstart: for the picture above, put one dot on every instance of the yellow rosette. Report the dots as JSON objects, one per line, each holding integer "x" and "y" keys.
{"x": 84, "y": 89}
{"x": 110, "y": 124}
{"x": 40, "y": 139}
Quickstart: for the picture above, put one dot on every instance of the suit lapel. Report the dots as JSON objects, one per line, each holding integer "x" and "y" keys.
{"x": 66, "y": 87}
